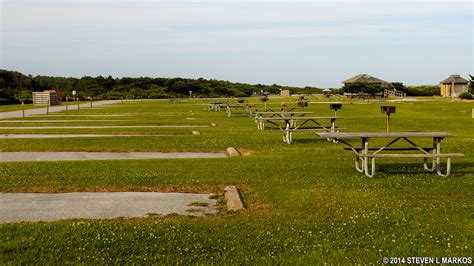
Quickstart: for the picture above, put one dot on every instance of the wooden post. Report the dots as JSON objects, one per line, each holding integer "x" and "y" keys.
{"x": 388, "y": 122}
{"x": 91, "y": 101}
{"x": 66, "y": 103}
{"x": 49, "y": 102}
{"x": 78, "y": 103}
{"x": 23, "y": 108}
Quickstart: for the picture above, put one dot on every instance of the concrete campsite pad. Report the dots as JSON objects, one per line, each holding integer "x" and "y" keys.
{"x": 53, "y": 136}
{"x": 96, "y": 127}
{"x": 17, "y": 207}
{"x": 90, "y": 115}
{"x": 82, "y": 156}
{"x": 62, "y": 121}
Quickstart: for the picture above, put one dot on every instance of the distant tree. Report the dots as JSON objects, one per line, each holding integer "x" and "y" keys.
{"x": 398, "y": 86}
{"x": 24, "y": 96}
{"x": 423, "y": 90}
{"x": 368, "y": 88}
{"x": 12, "y": 83}
{"x": 179, "y": 87}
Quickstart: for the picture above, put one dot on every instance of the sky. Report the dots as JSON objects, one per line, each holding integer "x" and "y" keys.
{"x": 295, "y": 43}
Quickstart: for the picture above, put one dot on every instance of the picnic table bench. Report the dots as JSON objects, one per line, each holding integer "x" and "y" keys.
{"x": 290, "y": 124}
{"x": 260, "y": 117}
{"x": 364, "y": 153}
{"x": 247, "y": 107}
{"x": 216, "y": 106}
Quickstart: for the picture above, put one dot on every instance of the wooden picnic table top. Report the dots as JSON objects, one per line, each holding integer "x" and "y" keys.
{"x": 299, "y": 118}
{"x": 239, "y": 104}
{"x": 282, "y": 112}
{"x": 346, "y": 135}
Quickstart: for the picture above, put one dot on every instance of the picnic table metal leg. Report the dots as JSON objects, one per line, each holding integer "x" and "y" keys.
{"x": 259, "y": 122}
{"x": 359, "y": 164}
{"x": 437, "y": 160}
{"x": 287, "y": 136}
{"x": 333, "y": 129}
{"x": 365, "y": 160}
{"x": 287, "y": 133}
{"x": 434, "y": 159}
{"x": 248, "y": 110}
{"x": 437, "y": 143}
{"x": 448, "y": 168}
{"x": 370, "y": 173}
{"x": 429, "y": 168}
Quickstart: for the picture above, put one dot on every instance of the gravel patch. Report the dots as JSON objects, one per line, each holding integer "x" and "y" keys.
{"x": 18, "y": 207}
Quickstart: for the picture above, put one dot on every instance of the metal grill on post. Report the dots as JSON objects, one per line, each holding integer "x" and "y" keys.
{"x": 388, "y": 110}
{"x": 335, "y": 107}
{"x": 302, "y": 102}
{"x": 264, "y": 99}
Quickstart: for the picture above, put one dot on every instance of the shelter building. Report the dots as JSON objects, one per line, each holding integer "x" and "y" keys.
{"x": 285, "y": 93}
{"x": 453, "y": 86}
{"x": 364, "y": 78}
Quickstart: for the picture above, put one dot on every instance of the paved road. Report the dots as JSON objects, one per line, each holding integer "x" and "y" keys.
{"x": 52, "y": 109}
{"x": 17, "y": 207}
{"x": 81, "y": 156}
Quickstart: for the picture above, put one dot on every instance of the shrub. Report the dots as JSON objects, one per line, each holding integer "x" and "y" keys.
{"x": 466, "y": 96}
{"x": 423, "y": 90}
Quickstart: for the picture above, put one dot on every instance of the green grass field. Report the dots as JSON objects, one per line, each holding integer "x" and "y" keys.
{"x": 307, "y": 204}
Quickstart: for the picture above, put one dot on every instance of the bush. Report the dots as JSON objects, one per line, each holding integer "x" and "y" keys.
{"x": 424, "y": 90}
{"x": 466, "y": 96}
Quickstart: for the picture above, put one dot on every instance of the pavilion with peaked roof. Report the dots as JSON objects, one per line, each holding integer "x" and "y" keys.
{"x": 364, "y": 78}
{"x": 453, "y": 86}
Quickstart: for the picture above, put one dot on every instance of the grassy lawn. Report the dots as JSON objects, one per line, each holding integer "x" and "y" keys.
{"x": 307, "y": 204}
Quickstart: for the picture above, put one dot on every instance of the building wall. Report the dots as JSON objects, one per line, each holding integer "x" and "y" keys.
{"x": 285, "y": 93}
{"x": 460, "y": 88}
{"x": 443, "y": 88}
{"x": 446, "y": 90}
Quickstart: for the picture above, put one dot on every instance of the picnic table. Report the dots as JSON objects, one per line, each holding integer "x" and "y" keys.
{"x": 290, "y": 124}
{"x": 389, "y": 150}
{"x": 260, "y": 116}
{"x": 216, "y": 106}
{"x": 247, "y": 107}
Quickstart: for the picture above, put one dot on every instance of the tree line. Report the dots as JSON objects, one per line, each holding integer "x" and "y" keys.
{"x": 16, "y": 87}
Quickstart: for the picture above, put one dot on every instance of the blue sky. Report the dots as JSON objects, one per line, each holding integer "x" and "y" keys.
{"x": 295, "y": 43}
